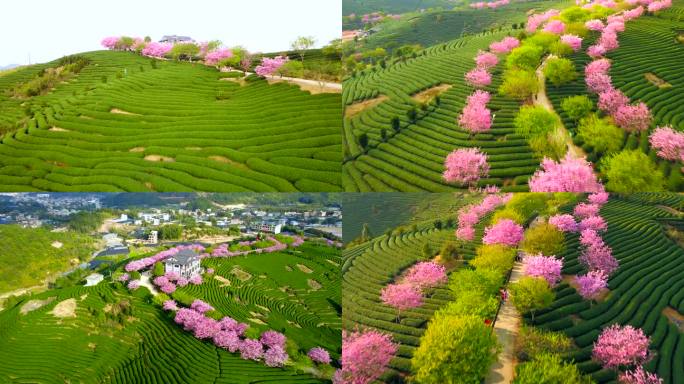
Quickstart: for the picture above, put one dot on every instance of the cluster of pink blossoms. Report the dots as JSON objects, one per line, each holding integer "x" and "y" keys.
{"x": 365, "y": 355}
{"x": 478, "y": 78}
{"x": 505, "y": 232}
{"x": 319, "y": 355}
{"x": 573, "y": 41}
{"x": 547, "y": 267}
{"x": 668, "y": 142}
{"x": 171, "y": 280}
{"x": 505, "y": 45}
{"x": 408, "y": 292}
{"x": 568, "y": 175}
{"x": 476, "y": 117}
{"x": 556, "y": 27}
{"x": 596, "y": 255}
{"x": 224, "y": 251}
{"x": 639, "y": 376}
{"x": 158, "y": 50}
{"x": 591, "y": 284}
{"x": 465, "y": 166}
{"x": 469, "y": 215}
{"x": 269, "y": 65}
{"x": 536, "y": 20}
{"x": 401, "y": 296}
{"x": 489, "y": 4}
{"x": 425, "y": 275}
{"x": 214, "y": 57}
{"x": 620, "y": 346}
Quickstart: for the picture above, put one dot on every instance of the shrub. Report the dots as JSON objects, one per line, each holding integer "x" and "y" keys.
{"x": 158, "y": 269}
{"x": 533, "y": 342}
{"x": 519, "y": 84}
{"x": 560, "y": 71}
{"x": 552, "y": 145}
{"x": 496, "y": 257}
{"x": 449, "y": 251}
{"x": 535, "y": 120}
{"x": 526, "y": 57}
{"x": 508, "y": 213}
{"x": 472, "y": 303}
{"x": 530, "y": 294}
{"x": 601, "y": 134}
{"x": 577, "y": 107}
{"x": 485, "y": 281}
{"x": 544, "y": 238}
{"x": 632, "y": 171}
{"x": 549, "y": 368}
{"x": 460, "y": 347}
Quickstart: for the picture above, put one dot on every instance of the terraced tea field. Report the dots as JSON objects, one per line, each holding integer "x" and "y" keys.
{"x": 649, "y": 51}
{"x": 176, "y": 127}
{"x": 113, "y": 336}
{"x": 647, "y": 291}
{"x": 412, "y": 159}
{"x": 370, "y": 266}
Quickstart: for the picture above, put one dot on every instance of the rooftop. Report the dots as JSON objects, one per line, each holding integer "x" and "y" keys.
{"x": 184, "y": 257}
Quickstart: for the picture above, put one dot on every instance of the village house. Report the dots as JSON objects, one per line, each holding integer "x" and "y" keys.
{"x": 176, "y": 39}
{"x": 185, "y": 263}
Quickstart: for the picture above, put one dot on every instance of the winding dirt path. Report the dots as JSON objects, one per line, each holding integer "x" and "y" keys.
{"x": 541, "y": 99}
{"x": 506, "y": 329}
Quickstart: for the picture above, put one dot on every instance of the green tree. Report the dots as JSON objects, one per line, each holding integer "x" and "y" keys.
{"x": 184, "y": 51}
{"x": 170, "y": 232}
{"x": 535, "y": 120}
{"x": 472, "y": 303}
{"x": 438, "y": 224}
{"x": 363, "y": 140}
{"x": 396, "y": 124}
{"x": 427, "y": 251}
{"x": 560, "y": 49}
{"x": 519, "y": 84}
{"x": 482, "y": 280}
{"x": 601, "y": 134}
{"x": 158, "y": 269}
{"x": 495, "y": 257}
{"x": 632, "y": 171}
{"x": 530, "y": 294}
{"x": 454, "y": 349}
{"x": 577, "y": 107}
{"x": 544, "y": 238}
{"x": 560, "y": 71}
{"x": 526, "y": 57}
{"x": 302, "y": 44}
{"x": 449, "y": 251}
{"x": 549, "y": 369}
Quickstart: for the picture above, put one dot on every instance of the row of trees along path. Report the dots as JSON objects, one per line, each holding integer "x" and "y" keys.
{"x": 506, "y": 328}
{"x": 541, "y": 99}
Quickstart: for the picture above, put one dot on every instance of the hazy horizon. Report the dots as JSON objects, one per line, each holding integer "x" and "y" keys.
{"x": 49, "y": 30}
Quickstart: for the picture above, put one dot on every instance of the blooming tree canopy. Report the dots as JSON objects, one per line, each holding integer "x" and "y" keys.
{"x": 583, "y": 210}
{"x": 486, "y": 60}
{"x": 465, "y": 166}
{"x": 621, "y": 346}
{"x": 639, "y": 376}
{"x": 365, "y": 356}
{"x": 546, "y": 267}
{"x": 476, "y": 117}
{"x": 269, "y": 65}
{"x": 505, "y": 45}
{"x": 401, "y": 296}
{"x": 319, "y": 355}
{"x": 214, "y": 57}
{"x": 633, "y": 118}
{"x": 568, "y": 175}
{"x": 564, "y": 223}
{"x": 426, "y": 275}
{"x": 505, "y": 231}
{"x": 478, "y": 78}
{"x": 668, "y": 142}
{"x": 591, "y": 284}
{"x": 573, "y": 41}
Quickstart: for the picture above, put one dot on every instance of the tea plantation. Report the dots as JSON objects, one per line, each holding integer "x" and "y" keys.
{"x": 632, "y": 70}
{"x": 114, "y": 336}
{"x": 642, "y": 230}
{"x": 411, "y": 160}
{"x": 126, "y": 123}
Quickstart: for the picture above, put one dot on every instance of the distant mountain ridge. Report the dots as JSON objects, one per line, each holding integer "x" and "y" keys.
{"x": 9, "y": 66}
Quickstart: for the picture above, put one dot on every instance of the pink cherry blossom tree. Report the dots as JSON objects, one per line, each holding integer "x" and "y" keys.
{"x": 598, "y": 82}
{"x": 639, "y": 376}
{"x": 478, "y": 78}
{"x": 573, "y": 41}
{"x": 556, "y": 27}
{"x": 564, "y": 223}
{"x": 633, "y": 118}
{"x": 591, "y": 284}
{"x": 598, "y": 198}
{"x": 568, "y": 175}
{"x": 269, "y": 65}
{"x": 595, "y": 223}
{"x": 465, "y": 166}
{"x": 401, "y": 297}
{"x": 668, "y": 143}
{"x": 365, "y": 356}
{"x": 214, "y": 57}
{"x": 319, "y": 355}
{"x": 546, "y": 267}
{"x": 621, "y": 346}
{"x": 476, "y": 117}
{"x": 505, "y": 231}
{"x": 594, "y": 25}
{"x": 486, "y": 60}
{"x": 611, "y": 100}
{"x": 583, "y": 210}
{"x": 426, "y": 275}
{"x": 505, "y": 45}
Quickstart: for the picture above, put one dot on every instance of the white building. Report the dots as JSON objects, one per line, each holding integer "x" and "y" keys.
{"x": 93, "y": 279}
{"x": 185, "y": 263}
{"x": 153, "y": 237}
{"x": 272, "y": 228}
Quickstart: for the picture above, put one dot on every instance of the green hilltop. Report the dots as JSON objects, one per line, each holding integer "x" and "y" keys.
{"x": 117, "y": 121}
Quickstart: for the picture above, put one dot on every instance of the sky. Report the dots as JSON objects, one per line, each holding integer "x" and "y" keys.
{"x": 47, "y": 30}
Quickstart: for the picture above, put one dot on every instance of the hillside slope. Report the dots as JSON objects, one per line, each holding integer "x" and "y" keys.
{"x": 126, "y": 123}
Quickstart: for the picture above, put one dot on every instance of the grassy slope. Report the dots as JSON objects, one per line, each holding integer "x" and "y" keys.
{"x": 256, "y": 137}
{"x": 436, "y": 27}
{"x": 148, "y": 347}
{"x": 650, "y": 278}
{"x": 360, "y": 7}
{"x": 27, "y": 257}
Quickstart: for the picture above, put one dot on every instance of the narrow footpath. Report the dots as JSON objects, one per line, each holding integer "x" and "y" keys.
{"x": 541, "y": 99}
{"x": 506, "y": 329}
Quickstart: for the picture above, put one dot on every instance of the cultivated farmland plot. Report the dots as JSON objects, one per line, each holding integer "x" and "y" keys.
{"x": 124, "y": 124}
{"x": 106, "y": 334}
